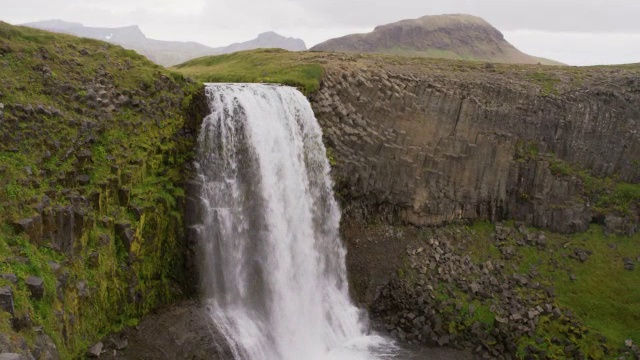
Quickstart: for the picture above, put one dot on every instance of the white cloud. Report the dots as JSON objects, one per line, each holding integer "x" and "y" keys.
{"x": 572, "y": 31}
{"x": 578, "y": 48}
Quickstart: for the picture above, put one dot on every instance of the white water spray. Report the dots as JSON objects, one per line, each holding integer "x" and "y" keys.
{"x": 273, "y": 265}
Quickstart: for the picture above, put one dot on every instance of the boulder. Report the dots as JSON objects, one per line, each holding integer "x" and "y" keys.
{"x": 45, "y": 348}
{"x": 95, "y": 350}
{"x": 84, "y": 156}
{"x": 32, "y": 227}
{"x": 123, "y": 196}
{"x": 83, "y": 180}
{"x": 54, "y": 266}
{"x": 125, "y": 234}
{"x": 12, "y": 278}
{"x": 6, "y": 299}
{"x": 35, "y": 286}
{"x": 22, "y": 322}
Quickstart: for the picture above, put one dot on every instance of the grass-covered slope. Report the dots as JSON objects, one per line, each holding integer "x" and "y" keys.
{"x": 91, "y": 159}
{"x": 306, "y": 70}
{"x": 264, "y": 65}
{"x": 502, "y": 288}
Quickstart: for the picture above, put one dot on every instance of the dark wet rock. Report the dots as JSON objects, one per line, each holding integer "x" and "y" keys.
{"x": 35, "y": 286}
{"x": 59, "y": 227}
{"x": 30, "y": 226}
{"x": 6, "y": 299}
{"x": 22, "y": 322}
{"x": 123, "y": 196}
{"x": 204, "y": 342}
{"x": 83, "y": 179}
{"x": 43, "y": 204}
{"x": 84, "y": 156}
{"x": 125, "y": 235}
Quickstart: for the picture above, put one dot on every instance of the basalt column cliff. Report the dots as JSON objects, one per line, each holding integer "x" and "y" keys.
{"x": 427, "y": 148}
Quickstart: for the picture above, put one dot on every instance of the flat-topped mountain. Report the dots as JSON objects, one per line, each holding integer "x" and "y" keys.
{"x": 463, "y": 37}
{"x": 166, "y": 53}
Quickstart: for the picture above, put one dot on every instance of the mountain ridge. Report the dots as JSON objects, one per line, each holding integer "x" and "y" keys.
{"x": 455, "y": 36}
{"x": 166, "y": 53}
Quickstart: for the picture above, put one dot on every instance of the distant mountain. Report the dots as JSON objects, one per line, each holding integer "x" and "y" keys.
{"x": 266, "y": 40}
{"x": 463, "y": 37}
{"x": 166, "y": 53}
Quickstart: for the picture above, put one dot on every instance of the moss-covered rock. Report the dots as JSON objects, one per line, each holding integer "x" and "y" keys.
{"x": 93, "y": 145}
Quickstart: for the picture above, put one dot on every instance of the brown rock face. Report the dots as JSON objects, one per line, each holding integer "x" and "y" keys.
{"x": 431, "y": 149}
{"x": 442, "y": 36}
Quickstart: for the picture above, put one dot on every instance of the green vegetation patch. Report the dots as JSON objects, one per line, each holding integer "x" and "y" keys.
{"x": 93, "y": 128}
{"x": 599, "y": 291}
{"x": 546, "y": 81}
{"x": 255, "y": 66}
{"x": 605, "y": 194}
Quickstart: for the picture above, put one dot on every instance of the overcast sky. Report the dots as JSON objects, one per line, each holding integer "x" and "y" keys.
{"x": 577, "y": 32}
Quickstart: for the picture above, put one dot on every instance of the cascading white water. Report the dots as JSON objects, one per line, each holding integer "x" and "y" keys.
{"x": 273, "y": 265}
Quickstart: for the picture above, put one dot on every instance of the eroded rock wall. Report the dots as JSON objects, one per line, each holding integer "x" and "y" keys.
{"x": 94, "y": 143}
{"x": 428, "y": 150}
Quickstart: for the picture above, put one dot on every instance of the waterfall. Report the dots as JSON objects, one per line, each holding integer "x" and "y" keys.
{"x": 272, "y": 262}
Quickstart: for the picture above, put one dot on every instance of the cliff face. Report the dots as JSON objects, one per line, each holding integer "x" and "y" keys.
{"x": 432, "y": 143}
{"x": 427, "y": 148}
{"x": 93, "y": 143}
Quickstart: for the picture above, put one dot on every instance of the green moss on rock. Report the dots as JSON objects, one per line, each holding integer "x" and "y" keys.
{"x": 94, "y": 140}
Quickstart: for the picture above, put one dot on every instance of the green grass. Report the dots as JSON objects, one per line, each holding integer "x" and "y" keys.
{"x": 605, "y": 296}
{"x": 141, "y": 141}
{"x": 482, "y": 250}
{"x": 546, "y": 81}
{"x": 256, "y": 66}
